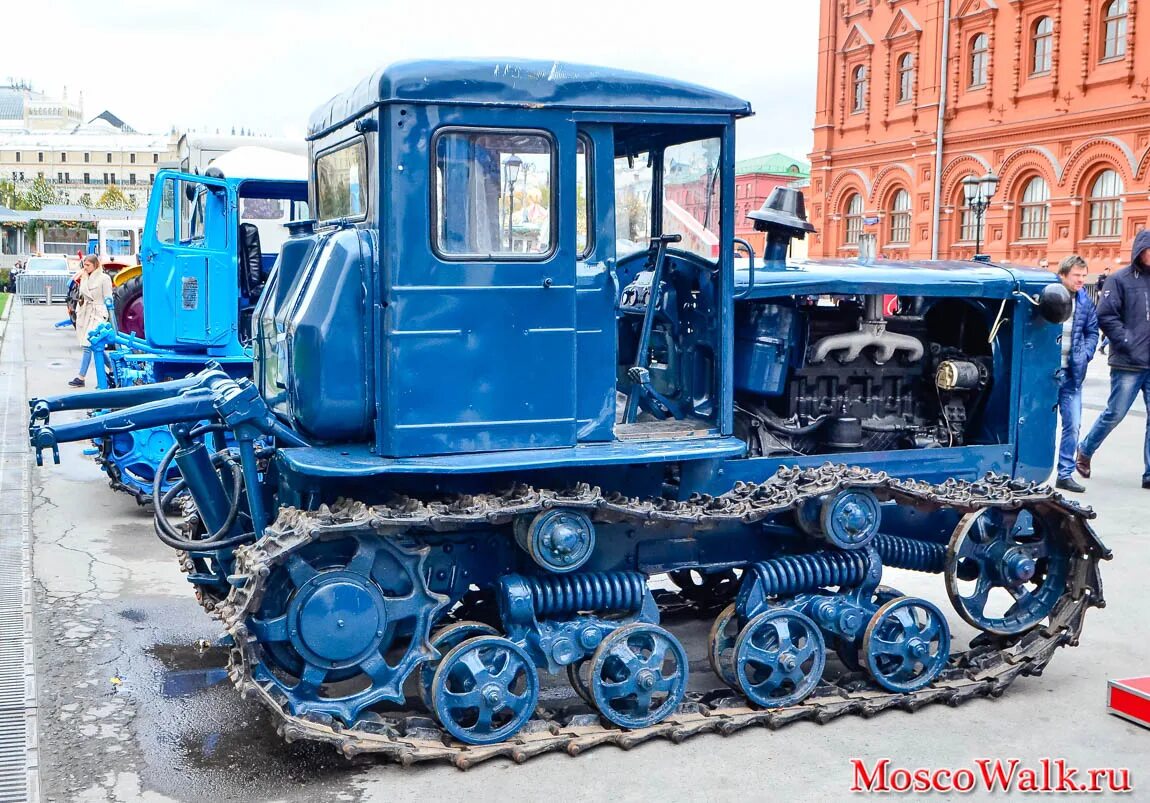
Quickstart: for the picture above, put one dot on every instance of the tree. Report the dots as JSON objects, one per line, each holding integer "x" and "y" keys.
{"x": 10, "y": 196}
{"x": 40, "y": 194}
{"x": 113, "y": 198}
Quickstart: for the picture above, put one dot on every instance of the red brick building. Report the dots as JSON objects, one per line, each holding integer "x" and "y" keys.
{"x": 754, "y": 180}
{"x": 1050, "y": 95}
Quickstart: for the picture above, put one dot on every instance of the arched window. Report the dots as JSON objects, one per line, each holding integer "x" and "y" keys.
{"x": 1033, "y": 210}
{"x": 1114, "y": 29}
{"x": 1043, "y": 45}
{"x": 858, "y": 88}
{"x": 900, "y": 217}
{"x": 854, "y": 220}
{"x": 979, "y": 59}
{"x": 1106, "y": 205}
{"x": 969, "y": 223}
{"x": 905, "y": 77}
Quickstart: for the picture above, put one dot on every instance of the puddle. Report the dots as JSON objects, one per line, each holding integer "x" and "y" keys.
{"x": 187, "y": 682}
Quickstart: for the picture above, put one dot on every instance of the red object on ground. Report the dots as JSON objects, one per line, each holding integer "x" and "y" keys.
{"x": 1130, "y": 699}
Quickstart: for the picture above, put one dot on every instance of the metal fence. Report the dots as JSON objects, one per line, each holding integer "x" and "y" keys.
{"x": 48, "y": 288}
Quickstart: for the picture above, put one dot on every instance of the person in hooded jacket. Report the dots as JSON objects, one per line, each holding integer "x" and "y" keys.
{"x": 1124, "y": 315}
{"x": 1079, "y": 340}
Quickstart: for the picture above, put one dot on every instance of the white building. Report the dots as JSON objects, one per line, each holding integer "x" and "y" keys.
{"x": 44, "y": 136}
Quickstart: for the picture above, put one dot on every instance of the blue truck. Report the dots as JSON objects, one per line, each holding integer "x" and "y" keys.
{"x": 207, "y": 247}
{"x": 518, "y": 369}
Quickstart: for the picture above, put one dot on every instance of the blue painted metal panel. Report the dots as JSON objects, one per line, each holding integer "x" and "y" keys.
{"x": 191, "y": 268}
{"x": 965, "y": 279}
{"x": 596, "y": 288}
{"x": 480, "y": 353}
{"x": 1036, "y": 380}
{"x": 358, "y": 461}
{"x": 930, "y": 465}
{"x": 521, "y": 83}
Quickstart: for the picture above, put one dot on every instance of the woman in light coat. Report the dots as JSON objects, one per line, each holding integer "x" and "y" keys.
{"x": 94, "y": 289}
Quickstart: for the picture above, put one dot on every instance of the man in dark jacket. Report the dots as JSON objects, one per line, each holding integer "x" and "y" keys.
{"x": 1079, "y": 339}
{"x": 1124, "y": 315}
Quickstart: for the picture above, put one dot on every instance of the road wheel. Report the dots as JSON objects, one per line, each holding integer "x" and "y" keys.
{"x": 129, "y": 306}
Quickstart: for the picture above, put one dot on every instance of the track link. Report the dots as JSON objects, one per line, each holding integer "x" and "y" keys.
{"x": 986, "y": 669}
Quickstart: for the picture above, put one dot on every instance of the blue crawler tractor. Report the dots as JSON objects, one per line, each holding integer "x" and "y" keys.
{"x": 208, "y": 246}
{"x": 518, "y": 407}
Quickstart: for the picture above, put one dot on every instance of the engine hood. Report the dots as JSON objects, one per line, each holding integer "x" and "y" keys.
{"x": 919, "y": 278}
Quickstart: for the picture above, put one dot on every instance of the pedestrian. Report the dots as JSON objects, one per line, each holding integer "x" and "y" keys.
{"x": 93, "y": 290}
{"x": 1098, "y": 286}
{"x": 1079, "y": 339}
{"x": 1124, "y": 315}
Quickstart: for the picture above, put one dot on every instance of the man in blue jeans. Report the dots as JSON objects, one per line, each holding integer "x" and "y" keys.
{"x": 1124, "y": 315}
{"x": 1079, "y": 340}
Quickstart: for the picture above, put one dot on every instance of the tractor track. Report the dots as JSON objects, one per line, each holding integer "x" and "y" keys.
{"x": 986, "y": 669}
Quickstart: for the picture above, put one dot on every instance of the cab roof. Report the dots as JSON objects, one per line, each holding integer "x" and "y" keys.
{"x": 524, "y": 84}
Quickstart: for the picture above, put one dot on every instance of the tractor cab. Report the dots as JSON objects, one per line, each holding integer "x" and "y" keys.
{"x": 547, "y": 250}
{"x": 208, "y": 249}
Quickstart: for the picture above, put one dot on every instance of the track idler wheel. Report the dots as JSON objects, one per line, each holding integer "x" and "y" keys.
{"x": 906, "y": 644}
{"x": 779, "y": 658}
{"x": 444, "y": 640}
{"x": 485, "y": 690}
{"x": 1006, "y": 569}
{"x": 638, "y": 675}
{"x": 721, "y": 645}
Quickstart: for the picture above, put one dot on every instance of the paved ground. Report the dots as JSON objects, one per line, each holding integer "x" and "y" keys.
{"x": 130, "y": 709}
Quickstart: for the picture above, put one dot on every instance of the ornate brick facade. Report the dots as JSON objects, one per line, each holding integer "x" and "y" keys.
{"x": 1051, "y": 95}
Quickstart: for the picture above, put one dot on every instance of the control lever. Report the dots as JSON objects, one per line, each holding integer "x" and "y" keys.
{"x": 656, "y": 257}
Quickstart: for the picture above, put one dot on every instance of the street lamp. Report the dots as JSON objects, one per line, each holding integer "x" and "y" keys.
{"x": 978, "y": 192}
{"x": 512, "y": 166}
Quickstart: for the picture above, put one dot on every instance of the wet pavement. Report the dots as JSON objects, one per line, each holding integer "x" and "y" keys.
{"x": 135, "y": 704}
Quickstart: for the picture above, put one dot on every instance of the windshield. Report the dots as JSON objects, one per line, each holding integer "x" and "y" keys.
{"x": 689, "y": 202}
{"x": 56, "y": 264}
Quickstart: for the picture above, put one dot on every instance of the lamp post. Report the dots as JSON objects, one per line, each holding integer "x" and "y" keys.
{"x": 512, "y": 166}
{"x": 978, "y": 192}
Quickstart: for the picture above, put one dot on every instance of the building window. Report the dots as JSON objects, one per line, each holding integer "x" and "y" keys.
{"x": 132, "y": 158}
{"x": 59, "y": 178}
{"x": 87, "y": 178}
{"x": 67, "y": 178}
{"x": 1106, "y": 205}
{"x": 63, "y": 157}
{"x": 854, "y": 220}
{"x": 109, "y": 158}
{"x": 87, "y": 158}
{"x": 979, "y": 58}
{"x": 151, "y": 179}
{"x": 40, "y": 156}
{"x": 17, "y": 156}
{"x": 1114, "y": 29}
{"x": 1043, "y": 46}
{"x": 968, "y": 222}
{"x": 905, "y": 77}
{"x": 900, "y": 218}
{"x": 1033, "y": 210}
{"x": 858, "y": 85}
{"x": 131, "y": 178}
{"x": 155, "y": 158}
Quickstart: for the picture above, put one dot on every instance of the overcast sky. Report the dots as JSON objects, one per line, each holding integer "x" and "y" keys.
{"x": 266, "y": 65}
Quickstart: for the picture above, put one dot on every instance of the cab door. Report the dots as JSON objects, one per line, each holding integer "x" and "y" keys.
{"x": 188, "y": 262}
{"x": 482, "y": 331}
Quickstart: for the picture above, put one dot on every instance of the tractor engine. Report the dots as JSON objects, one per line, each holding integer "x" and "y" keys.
{"x": 822, "y": 375}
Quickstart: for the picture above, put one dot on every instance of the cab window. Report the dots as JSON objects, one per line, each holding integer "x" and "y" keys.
{"x": 341, "y": 182}
{"x": 492, "y": 194}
